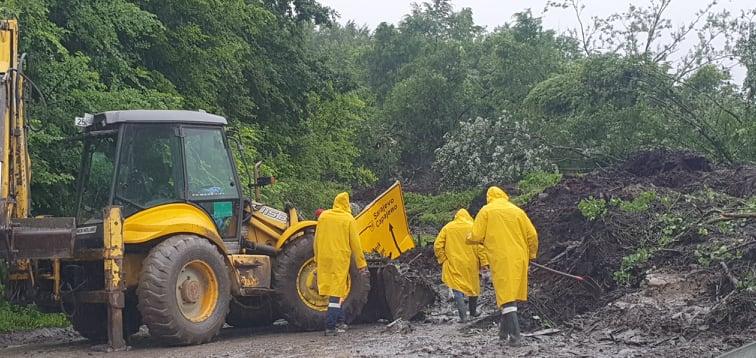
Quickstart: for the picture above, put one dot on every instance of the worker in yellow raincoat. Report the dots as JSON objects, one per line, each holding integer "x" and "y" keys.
{"x": 460, "y": 262}
{"x": 510, "y": 241}
{"x": 336, "y": 243}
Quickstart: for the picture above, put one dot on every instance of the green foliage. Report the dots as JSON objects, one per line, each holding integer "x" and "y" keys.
{"x": 300, "y": 193}
{"x": 708, "y": 254}
{"x": 671, "y": 226}
{"x": 639, "y": 204}
{"x": 436, "y": 210}
{"x": 23, "y": 318}
{"x": 750, "y": 204}
{"x": 533, "y": 184}
{"x": 592, "y": 208}
{"x": 519, "y": 56}
{"x": 748, "y": 282}
{"x": 327, "y": 151}
{"x": 726, "y": 227}
{"x": 630, "y": 263}
{"x": 345, "y": 106}
{"x": 485, "y": 151}
{"x": 424, "y": 240}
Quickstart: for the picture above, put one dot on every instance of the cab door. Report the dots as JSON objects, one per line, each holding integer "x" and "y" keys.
{"x": 211, "y": 180}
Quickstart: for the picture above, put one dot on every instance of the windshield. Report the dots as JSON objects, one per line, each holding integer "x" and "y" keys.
{"x": 96, "y": 178}
{"x": 150, "y": 171}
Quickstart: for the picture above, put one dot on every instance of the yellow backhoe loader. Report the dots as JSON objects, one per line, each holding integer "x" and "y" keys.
{"x": 163, "y": 235}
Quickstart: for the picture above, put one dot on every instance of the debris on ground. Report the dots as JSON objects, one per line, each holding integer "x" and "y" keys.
{"x": 399, "y": 326}
{"x": 397, "y": 290}
{"x": 668, "y": 236}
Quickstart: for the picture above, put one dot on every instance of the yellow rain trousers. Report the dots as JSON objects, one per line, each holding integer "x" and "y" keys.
{"x": 510, "y": 241}
{"x": 460, "y": 261}
{"x": 336, "y": 242}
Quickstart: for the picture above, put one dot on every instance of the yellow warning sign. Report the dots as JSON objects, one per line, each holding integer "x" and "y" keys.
{"x": 383, "y": 224}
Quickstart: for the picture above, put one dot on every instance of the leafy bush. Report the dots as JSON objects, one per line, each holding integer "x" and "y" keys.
{"x": 487, "y": 150}
{"x": 708, "y": 254}
{"x": 638, "y": 205}
{"x": 629, "y": 263}
{"x": 671, "y": 226}
{"x": 591, "y": 208}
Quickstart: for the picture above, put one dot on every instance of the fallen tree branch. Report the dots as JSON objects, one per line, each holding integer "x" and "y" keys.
{"x": 719, "y": 304}
{"x": 542, "y": 332}
{"x": 731, "y": 216}
{"x": 413, "y": 260}
{"x": 741, "y": 245}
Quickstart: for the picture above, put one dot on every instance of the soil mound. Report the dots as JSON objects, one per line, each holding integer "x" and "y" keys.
{"x": 650, "y": 163}
{"x": 661, "y": 213}
{"x": 685, "y": 224}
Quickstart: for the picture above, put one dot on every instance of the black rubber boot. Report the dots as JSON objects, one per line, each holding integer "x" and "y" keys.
{"x": 473, "y": 305}
{"x": 513, "y": 328}
{"x": 460, "y": 301}
{"x": 503, "y": 329}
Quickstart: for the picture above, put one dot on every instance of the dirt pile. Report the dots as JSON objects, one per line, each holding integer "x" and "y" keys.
{"x": 669, "y": 237}
{"x": 659, "y": 210}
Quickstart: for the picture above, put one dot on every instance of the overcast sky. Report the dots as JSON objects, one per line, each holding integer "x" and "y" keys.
{"x": 492, "y": 13}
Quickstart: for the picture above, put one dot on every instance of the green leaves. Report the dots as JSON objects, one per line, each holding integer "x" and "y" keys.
{"x": 592, "y": 208}
{"x": 433, "y": 97}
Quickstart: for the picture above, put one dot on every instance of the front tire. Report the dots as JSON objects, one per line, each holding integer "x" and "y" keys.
{"x": 300, "y": 304}
{"x": 184, "y": 291}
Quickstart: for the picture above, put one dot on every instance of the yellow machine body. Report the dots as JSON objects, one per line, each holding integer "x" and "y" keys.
{"x": 136, "y": 204}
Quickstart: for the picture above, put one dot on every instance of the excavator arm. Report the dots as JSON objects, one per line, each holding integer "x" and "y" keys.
{"x": 21, "y": 237}
{"x": 14, "y": 157}
{"x": 34, "y": 248}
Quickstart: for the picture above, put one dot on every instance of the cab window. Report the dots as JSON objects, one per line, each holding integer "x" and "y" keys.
{"x": 210, "y": 177}
{"x": 150, "y": 171}
{"x": 208, "y": 166}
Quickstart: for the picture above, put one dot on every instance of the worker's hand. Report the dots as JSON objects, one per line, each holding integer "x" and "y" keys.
{"x": 484, "y": 268}
{"x": 364, "y": 271}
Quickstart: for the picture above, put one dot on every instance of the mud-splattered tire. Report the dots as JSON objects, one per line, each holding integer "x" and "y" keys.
{"x": 91, "y": 320}
{"x": 184, "y": 291}
{"x": 286, "y": 275}
{"x": 248, "y": 312}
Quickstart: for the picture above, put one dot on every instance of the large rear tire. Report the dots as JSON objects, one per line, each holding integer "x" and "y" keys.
{"x": 251, "y": 312}
{"x": 184, "y": 291}
{"x": 300, "y": 304}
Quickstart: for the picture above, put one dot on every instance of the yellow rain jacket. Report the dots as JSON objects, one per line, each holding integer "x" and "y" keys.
{"x": 460, "y": 261}
{"x": 336, "y": 242}
{"x": 510, "y": 241}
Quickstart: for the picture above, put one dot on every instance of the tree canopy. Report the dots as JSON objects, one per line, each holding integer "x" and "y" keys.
{"x": 435, "y": 100}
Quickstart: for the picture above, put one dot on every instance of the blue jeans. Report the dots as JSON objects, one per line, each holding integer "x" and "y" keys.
{"x": 334, "y": 315}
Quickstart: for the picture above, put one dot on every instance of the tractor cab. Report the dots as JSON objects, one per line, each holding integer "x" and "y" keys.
{"x": 141, "y": 160}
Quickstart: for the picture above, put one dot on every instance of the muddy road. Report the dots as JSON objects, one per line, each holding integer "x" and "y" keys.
{"x": 438, "y": 336}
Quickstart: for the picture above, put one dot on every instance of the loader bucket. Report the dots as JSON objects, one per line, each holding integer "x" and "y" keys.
{"x": 396, "y": 292}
